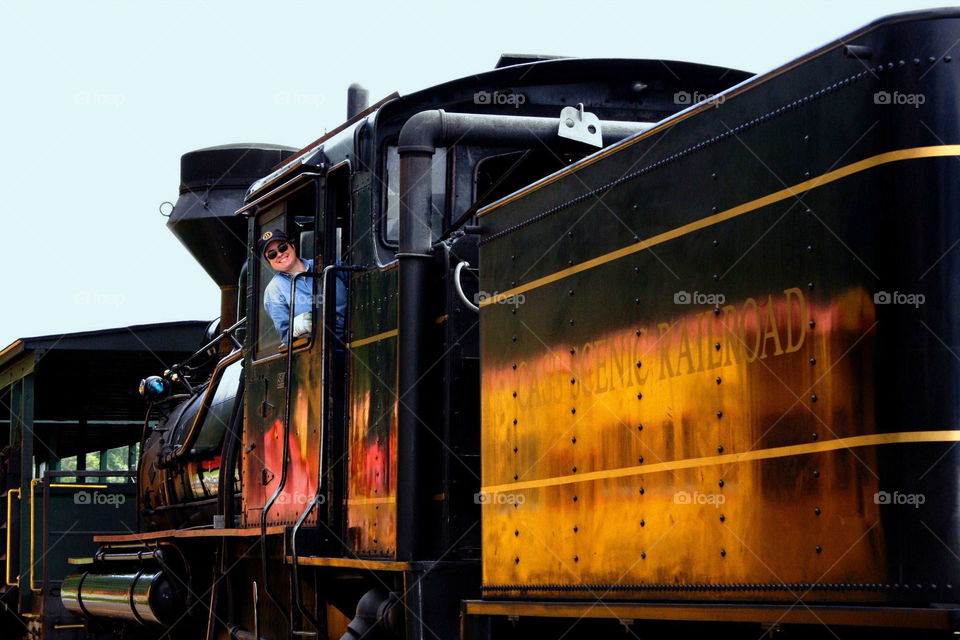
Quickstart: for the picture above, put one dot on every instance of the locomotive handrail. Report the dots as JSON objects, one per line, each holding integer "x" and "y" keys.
{"x": 194, "y": 431}
{"x": 288, "y": 371}
{"x": 229, "y": 332}
{"x": 459, "y": 288}
{"x": 323, "y": 423}
{"x": 9, "y": 534}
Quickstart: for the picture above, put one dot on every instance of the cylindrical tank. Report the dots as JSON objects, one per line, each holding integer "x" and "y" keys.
{"x": 144, "y": 597}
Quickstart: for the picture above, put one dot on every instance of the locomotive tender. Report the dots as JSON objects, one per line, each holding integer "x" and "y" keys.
{"x": 611, "y": 359}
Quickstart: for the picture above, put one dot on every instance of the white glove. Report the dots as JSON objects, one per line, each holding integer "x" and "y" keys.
{"x": 303, "y": 324}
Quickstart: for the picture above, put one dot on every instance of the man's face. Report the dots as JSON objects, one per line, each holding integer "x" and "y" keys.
{"x": 283, "y": 261}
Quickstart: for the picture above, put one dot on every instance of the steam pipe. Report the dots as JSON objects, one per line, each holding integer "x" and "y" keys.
{"x": 420, "y": 137}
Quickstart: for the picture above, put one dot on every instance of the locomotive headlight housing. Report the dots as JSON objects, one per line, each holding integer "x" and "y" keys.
{"x": 154, "y": 389}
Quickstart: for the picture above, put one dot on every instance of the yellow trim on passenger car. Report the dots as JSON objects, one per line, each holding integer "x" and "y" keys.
{"x": 10, "y": 536}
{"x": 33, "y": 485}
{"x": 783, "y": 194}
{"x": 734, "y": 458}
{"x": 372, "y": 339}
{"x": 73, "y": 485}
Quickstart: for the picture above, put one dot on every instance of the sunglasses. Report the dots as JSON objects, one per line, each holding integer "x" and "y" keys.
{"x": 280, "y": 249}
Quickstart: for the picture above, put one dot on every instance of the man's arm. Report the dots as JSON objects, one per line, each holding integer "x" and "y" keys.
{"x": 275, "y": 303}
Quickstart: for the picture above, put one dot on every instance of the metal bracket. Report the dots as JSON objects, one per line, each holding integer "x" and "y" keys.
{"x": 577, "y": 124}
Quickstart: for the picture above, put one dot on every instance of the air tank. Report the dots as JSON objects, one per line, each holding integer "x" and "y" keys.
{"x": 144, "y": 597}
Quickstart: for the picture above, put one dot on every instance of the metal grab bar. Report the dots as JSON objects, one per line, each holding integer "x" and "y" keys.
{"x": 288, "y": 370}
{"x": 33, "y": 537}
{"x": 298, "y": 600}
{"x": 9, "y": 534}
{"x": 211, "y": 390}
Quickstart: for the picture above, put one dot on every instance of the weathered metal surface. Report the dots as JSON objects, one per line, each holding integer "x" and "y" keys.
{"x": 372, "y": 431}
{"x": 690, "y": 388}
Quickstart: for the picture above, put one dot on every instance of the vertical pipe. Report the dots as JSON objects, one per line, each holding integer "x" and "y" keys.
{"x": 413, "y": 257}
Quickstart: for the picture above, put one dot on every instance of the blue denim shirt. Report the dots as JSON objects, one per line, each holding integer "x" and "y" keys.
{"x": 276, "y": 299}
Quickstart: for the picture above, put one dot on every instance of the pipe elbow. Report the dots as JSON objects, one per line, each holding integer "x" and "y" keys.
{"x": 421, "y": 132}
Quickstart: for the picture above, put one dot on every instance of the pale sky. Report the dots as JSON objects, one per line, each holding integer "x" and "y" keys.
{"x": 100, "y": 99}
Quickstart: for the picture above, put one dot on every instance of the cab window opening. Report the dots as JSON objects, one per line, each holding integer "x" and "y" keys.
{"x": 390, "y": 218}
{"x": 295, "y": 218}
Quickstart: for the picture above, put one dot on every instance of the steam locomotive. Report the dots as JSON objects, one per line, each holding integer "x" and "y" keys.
{"x": 630, "y": 343}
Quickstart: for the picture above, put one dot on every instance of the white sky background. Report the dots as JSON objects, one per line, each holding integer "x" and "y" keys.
{"x": 100, "y": 99}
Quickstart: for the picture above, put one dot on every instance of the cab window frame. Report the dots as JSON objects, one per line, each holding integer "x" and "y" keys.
{"x": 263, "y": 222}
